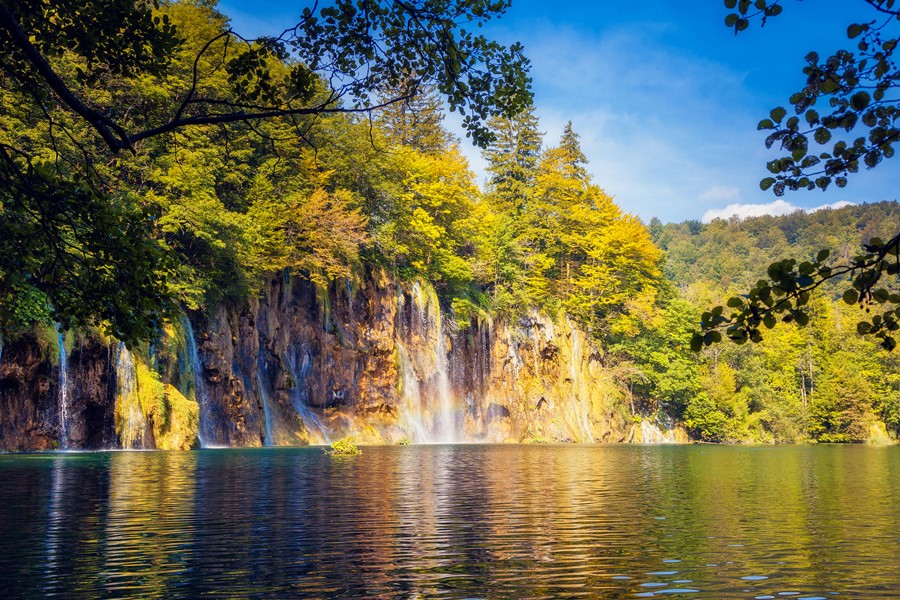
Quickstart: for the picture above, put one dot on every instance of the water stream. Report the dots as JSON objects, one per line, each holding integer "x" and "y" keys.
{"x": 130, "y": 421}
{"x": 63, "y": 393}
{"x": 200, "y": 393}
{"x": 412, "y": 414}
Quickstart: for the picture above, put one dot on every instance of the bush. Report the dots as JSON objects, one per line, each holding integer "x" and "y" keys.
{"x": 343, "y": 447}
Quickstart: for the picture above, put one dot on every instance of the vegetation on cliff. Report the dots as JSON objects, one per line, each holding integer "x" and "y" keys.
{"x": 198, "y": 217}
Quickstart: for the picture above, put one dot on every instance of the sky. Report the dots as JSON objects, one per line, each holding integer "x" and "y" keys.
{"x": 665, "y": 97}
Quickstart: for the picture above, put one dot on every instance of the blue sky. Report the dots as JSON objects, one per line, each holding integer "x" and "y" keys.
{"x": 665, "y": 97}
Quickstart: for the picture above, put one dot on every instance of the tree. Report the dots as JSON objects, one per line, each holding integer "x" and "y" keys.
{"x": 512, "y": 160}
{"x": 417, "y": 122}
{"x": 860, "y": 88}
{"x": 83, "y": 81}
{"x": 352, "y": 49}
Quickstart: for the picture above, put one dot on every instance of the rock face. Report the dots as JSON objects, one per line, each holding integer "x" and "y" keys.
{"x": 378, "y": 360}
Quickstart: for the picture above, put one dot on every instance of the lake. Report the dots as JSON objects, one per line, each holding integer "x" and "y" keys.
{"x": 454, "y": 521}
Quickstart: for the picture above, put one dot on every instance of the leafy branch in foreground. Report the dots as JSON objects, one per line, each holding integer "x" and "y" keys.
{"x": 785, "y": 295}
{"x": 860, "y": 88}
{"x": 339, "y": 57}
{"x": 852, "y": 90}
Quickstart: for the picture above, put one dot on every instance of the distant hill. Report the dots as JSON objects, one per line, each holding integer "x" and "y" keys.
{"x": 732, "y": 255}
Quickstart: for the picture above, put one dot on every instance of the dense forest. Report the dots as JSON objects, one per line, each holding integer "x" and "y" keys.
{"x": 201, "y": 216}
{"x": 819, "y": 382}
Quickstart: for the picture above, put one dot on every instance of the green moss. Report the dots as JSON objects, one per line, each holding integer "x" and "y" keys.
{"x": 175, "y": 420}
{"x": 47, "y": 338}
{"x": 182, "y": 422}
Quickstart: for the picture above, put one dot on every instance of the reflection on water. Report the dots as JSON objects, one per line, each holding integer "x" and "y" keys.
{"x": 454, "y": 521}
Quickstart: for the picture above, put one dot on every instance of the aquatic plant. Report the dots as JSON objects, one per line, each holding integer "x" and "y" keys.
{"x": 343, "y": 447}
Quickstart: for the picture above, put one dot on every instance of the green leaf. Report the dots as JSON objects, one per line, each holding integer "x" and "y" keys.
{"x": 778, "y": 114}
{"x": 860, "y": 100}
{"x": 823, "y": 255}
{"x": 851, "y": 296}
{"x": 863, "y": 327}
{"x": 766, "y": 183}
{"x": 855, "y": 29}
{"x": 822, "y": 136}
{"x": 696, "y": 342}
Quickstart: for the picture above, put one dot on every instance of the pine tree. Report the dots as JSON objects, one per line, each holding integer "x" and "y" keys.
{"x": 417, "y": 122}
{"x": 512, "y": 161}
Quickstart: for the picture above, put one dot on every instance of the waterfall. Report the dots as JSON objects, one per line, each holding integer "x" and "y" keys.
{"x": 265, "y": 403}
{"x": 578, "y": 387}
{"x": 412, "y": 418}
{"x": 310, "y": 419}
{"x": 447, "y": 429}
{"x": 63, "y": 393}
{"x": 201, "y": 396}
{"x": 130, "y": 421}
{"x": 652, "y": 434}
{"x": 430, "y": 322}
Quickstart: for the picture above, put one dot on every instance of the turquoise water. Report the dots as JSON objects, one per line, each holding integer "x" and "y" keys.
{"x": 454, "y": 521}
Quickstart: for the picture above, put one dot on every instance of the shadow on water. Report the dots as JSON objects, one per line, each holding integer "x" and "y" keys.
{"x": 454, "y": 521}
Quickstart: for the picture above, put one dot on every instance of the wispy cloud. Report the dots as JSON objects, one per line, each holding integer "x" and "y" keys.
{"x": 718, "y": 193}
{"x": 776, "y": 208}
{"x": 650, "y": 115}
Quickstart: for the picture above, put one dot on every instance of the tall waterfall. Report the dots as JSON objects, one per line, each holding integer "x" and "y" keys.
{"x": 582, "y": 404}
{"x": 301, "y": 367}
{"x": 63, "y": 393}
{"x": 130, "y": 421}
{"x": 199, "y": 385}
{"x": 265, "y": 402}
{"x": 425, "y": 372}
{"x": 412, "y": 416}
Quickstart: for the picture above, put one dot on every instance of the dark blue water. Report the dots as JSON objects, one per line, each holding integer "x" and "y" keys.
{"x": 454, "y": 521}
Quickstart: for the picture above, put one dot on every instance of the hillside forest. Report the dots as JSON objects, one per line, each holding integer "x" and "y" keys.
{"x": 207, "y": 213}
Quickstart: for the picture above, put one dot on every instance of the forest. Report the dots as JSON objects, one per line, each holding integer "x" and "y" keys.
{"x": 200, "y": 216}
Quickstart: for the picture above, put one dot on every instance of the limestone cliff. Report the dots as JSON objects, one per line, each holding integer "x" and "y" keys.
{"x": 379, "y": 360}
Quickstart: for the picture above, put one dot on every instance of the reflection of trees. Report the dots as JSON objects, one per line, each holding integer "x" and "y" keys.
{"x": 149, "y": 525}
{"x": 511, "y": 521}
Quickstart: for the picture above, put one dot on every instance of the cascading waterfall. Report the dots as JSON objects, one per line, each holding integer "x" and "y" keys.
{"x": 265, "y": 403}
{"x": 412, "y": 418}
{"x": 578, "y": 388}
{"x": 63, "y": 394}
{"x": 430, "y": 322}
{"x": 652, "y": 434}
{"x": 299, "y": 373}
{"x": 130, "y": 421}
{"x": 199, "y": 385}
{"x": 447, "y": 429}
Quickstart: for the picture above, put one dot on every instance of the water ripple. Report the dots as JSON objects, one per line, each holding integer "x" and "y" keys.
{"x": 453, "y": 521}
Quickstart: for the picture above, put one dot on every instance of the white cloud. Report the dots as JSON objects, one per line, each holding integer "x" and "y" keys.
{"x": 776, "y": 208}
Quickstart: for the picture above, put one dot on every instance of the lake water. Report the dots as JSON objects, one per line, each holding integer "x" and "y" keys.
{"x": 454, "y": 521}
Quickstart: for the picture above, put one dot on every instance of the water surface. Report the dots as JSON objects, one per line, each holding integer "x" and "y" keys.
{"x": 454, "y": 521}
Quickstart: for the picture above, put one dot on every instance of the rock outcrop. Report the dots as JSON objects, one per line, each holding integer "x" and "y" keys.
{"x": 379, "y": 360}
